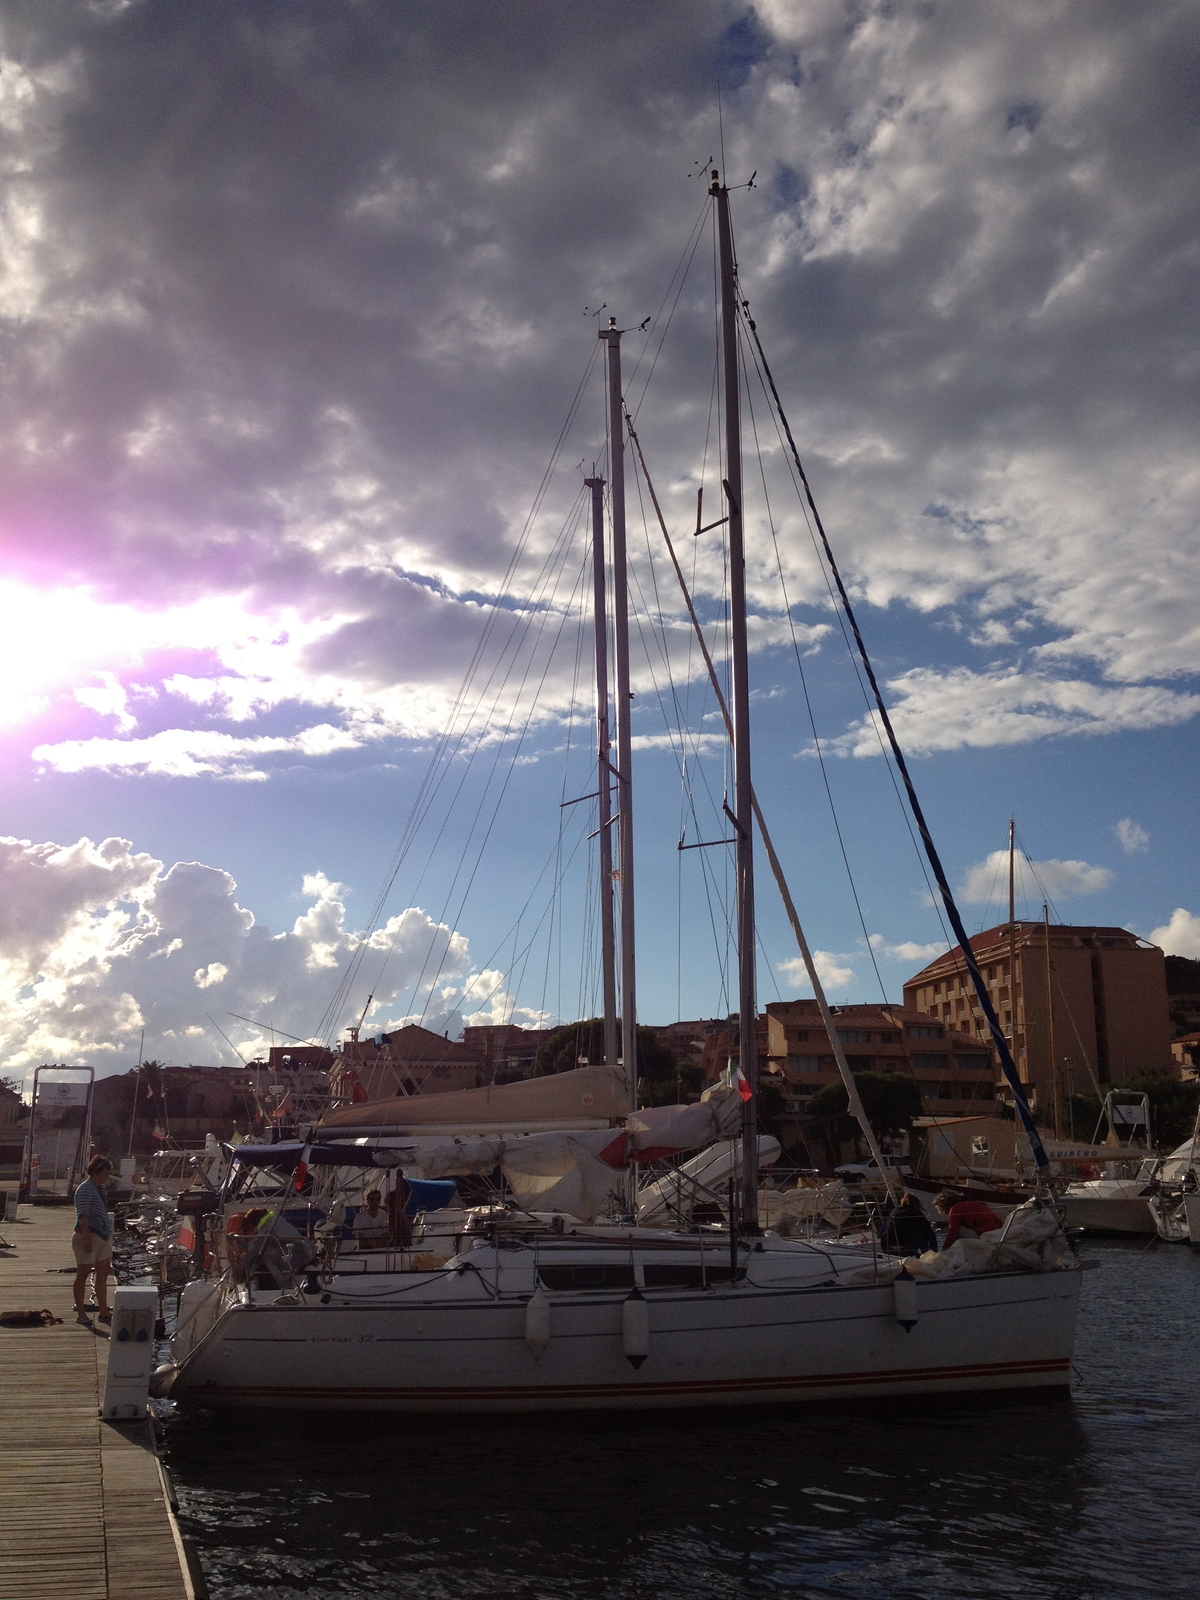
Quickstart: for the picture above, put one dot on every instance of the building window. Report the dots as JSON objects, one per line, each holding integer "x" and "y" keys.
{"x": 854, "y": 1036}
{"x": 929, "y": 1063}
{"x": 924, "y": 1033}
{"x": 804, "y": 1063}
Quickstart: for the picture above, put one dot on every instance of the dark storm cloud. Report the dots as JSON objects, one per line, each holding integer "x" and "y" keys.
{"x": 293, "y": 307}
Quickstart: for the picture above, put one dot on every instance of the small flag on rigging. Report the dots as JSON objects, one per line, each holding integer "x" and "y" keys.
{"x": 735, "y": 1078}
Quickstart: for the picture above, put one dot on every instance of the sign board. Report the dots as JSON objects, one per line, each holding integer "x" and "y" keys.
{"x": 62, "y": 1094}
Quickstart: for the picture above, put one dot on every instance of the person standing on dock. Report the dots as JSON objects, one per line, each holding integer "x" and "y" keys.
{"x": 92, "y": 1239}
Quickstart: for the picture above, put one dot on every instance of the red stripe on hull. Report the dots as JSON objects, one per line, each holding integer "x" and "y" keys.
{"x": 644, "y": 1390}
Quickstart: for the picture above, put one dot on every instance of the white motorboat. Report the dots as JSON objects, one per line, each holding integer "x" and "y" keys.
{"x": 1176, "y": 1205}
{"x": 566, "y": 1312}
{"x": 1117, "y": 1207}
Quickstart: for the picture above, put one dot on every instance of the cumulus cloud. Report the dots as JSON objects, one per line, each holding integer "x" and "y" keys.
{"x": 1180, "y": 936}
{"x": 961, "y": 708}
{"x": 988, "y": 880}
{"x": 907, "y": 950}
{"x": 98, "y": 941}
{"x": 288, "y": 340}
{"x": 832, "y": 974}
{"x": 1132, "y": 837}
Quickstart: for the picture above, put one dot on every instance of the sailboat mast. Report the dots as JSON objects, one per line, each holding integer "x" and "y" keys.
{"x": 1050, "y": 1018}
{"x": 743, "y": 793}
{"x": 616, "y": 474}
{"x": 1012, "y": 935}
{"x": 604, "y": 779}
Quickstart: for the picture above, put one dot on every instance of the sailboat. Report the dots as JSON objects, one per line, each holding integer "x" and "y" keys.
{"x": 550, "y": 1311}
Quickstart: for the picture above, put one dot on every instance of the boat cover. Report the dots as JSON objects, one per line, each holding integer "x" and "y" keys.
{"x": 577, "y": 1171}
{"x": 588, "y": 1097}
{"x": 287, "y": 1153}
{"x": 1177, "y": 1163}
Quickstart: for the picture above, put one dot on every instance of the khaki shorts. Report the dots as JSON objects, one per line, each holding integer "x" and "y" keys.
{"x": 90, "y": 1249}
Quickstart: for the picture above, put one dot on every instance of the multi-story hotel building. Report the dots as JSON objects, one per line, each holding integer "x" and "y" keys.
{"x": 1087, "y": 1009}
{"x": 951, "y": 1069}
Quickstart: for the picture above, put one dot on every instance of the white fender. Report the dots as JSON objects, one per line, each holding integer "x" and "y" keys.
{"x": 537, "y": 1323}
{"x": 199, "y": 1305}
{"x": 904, "y": 1292}
{"x": 635, "y": 1327}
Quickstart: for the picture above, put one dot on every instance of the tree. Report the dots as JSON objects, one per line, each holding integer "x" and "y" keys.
{"x": 662, "y": 1080}
{"x": 1173, "y": 1104}
{"x": 1183, "y": 975}
{"x": 890, "y": 1099}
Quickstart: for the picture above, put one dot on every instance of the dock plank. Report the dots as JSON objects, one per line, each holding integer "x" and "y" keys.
{"x": 83, "y": 1514}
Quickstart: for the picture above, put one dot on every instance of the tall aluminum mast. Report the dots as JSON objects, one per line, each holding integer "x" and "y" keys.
{"x": 616, "y": 474}
{"x": 743, "y": 810}
{"x": 604, "y": 778}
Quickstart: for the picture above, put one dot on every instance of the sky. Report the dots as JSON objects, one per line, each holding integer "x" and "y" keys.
{"x": 299, "y": 305}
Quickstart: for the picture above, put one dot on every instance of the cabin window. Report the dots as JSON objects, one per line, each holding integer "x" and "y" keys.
{"x": 592, "y": 1276}
{"x": 683, "y": 1275}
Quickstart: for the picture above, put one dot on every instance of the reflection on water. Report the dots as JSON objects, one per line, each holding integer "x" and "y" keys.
{"x": 1087, "y": 1499}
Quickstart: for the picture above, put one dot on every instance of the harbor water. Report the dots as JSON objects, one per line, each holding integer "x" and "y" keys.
{"x": 1087, "y": 1498}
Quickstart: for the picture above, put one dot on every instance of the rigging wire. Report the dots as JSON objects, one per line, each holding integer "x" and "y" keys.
{"x": 837, "y": 825}
{"x": 800, "y": 486}
{"x": 1007, "y": 1064}
{"x": 450, "y": 742}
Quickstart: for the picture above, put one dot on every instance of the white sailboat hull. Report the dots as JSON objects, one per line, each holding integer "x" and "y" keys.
{"x": 456, "y": 1345}
{"x": 1116, "y": 1216}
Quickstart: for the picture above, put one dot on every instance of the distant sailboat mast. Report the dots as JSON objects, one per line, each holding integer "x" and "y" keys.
{"x": 743, "y": 808}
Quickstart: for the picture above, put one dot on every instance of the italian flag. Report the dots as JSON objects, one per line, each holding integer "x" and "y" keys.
{"x": 736, "y": 1079}
{"x": 302, "y": 1167}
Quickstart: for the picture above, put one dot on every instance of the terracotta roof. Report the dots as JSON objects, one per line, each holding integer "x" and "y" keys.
{"x": 417, "y": 1044}
{"x": 998, "y": 937}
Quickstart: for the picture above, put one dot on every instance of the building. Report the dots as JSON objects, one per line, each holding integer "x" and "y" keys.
{"x": 1100, "y": 993}
{"x": 411, "y": 1060}
{"x": 719, "y": 1045}
{"x": 952, "y": 1070}
{"x": 150, "y": 1105}
{"x": 1185, "y": 1052}
{"x": 506, "y": 1051}
{"x": 686, "y": 1040}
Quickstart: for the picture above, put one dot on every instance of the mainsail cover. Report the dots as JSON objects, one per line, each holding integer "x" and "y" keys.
{"x": 567, "y": 1168}
{"x": 588, "y": 1097}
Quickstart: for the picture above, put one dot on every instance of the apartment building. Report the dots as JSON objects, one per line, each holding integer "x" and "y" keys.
{"x": 506, "y": 1051}
{"x": 1083, "y": 1008}
{"x": 953, "y": 1072}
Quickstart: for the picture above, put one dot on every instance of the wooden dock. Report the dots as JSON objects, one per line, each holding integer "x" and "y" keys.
{"x": 84, "y": 1511}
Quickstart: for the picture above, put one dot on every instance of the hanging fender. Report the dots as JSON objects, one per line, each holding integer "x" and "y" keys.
{"x": 904, "y": 1297}
{"x": 635, "y": 1327}
{"x": 537, "y": 1323}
